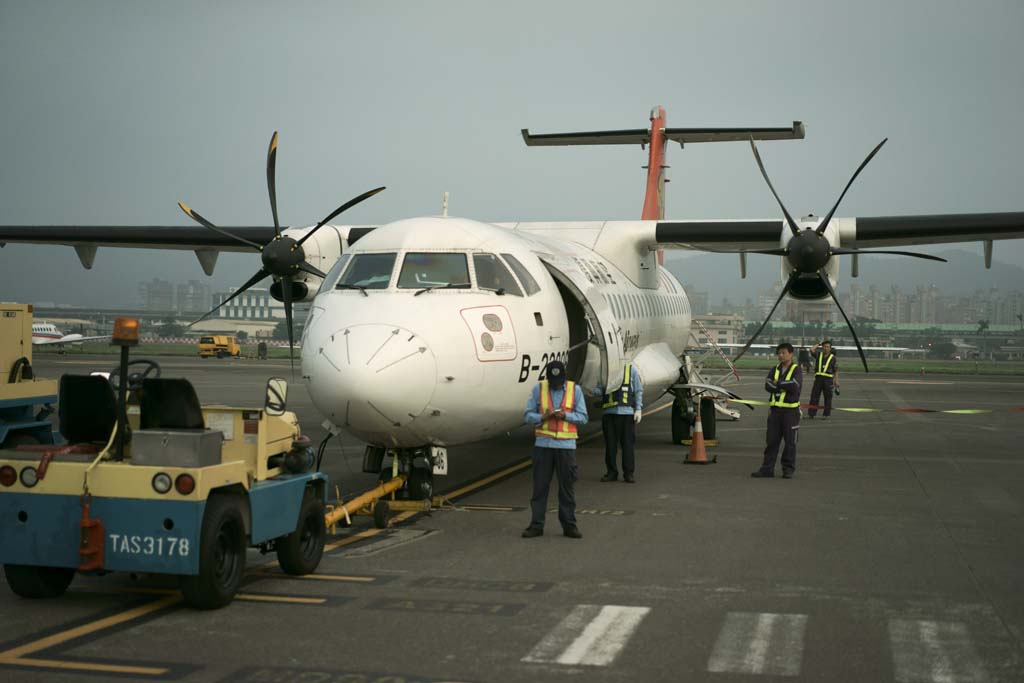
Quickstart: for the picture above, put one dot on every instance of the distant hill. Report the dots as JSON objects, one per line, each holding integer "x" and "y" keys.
{"x": 719, "y": 274}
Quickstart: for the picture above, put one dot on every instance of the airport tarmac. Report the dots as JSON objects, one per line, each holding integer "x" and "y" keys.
{"x": 894, "y": 555}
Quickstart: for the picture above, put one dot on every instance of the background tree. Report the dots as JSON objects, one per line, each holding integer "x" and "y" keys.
{"x": 942, "y": 350}
{"x": 241, "y": 335}
{"x": 982, "y": 326}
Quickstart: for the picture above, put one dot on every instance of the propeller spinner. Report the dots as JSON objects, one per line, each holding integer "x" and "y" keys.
{"x": 283, "y": 258}
{"x": 809, "y": 251}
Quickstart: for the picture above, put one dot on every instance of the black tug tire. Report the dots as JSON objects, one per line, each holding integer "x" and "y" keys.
{"x": 222, "y": 547}
{"x": 708, "y": 418}
{"x": 300, "y": 551}
{"x": 38, "y": 582}
{"x": 381, "y": 512}
{"x": 222, "y": 354}
{"x": 680, "y": 422}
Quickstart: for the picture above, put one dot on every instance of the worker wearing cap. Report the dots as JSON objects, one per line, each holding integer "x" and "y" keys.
{"x": 784, "y": 382}
{"x": 826, "y": 377}
{"x": 621, "y": 416}
{"x": 557, "y": 408}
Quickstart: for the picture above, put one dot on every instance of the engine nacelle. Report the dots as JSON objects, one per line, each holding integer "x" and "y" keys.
{"x": 809, "y": 286}
{"x": 322, "y": 250}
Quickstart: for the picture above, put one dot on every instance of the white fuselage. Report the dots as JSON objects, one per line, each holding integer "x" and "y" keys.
{"x": 451, "y": 366}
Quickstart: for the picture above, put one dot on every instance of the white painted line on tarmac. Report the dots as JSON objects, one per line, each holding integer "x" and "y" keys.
{"x": 760, "y": 643}
{"x": 934, "y": 652}
{"x": 593, "y": 635}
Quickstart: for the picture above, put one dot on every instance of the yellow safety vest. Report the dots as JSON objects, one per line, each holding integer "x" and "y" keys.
{"x": 552, "y": 428}
{"x": 776, "y": 401}
{"x": 620, "y": 397}
{"x": 823, "y": 370}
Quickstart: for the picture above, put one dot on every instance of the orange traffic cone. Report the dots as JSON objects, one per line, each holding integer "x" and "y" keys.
{"x": 698, "y": 455}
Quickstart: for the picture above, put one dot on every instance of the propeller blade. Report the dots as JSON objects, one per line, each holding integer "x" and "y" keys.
{"x": 271, "y": 180}
{"x": 312, "y": 270}
{"x": 888, "y": 251}
{"x": 344, "y": 207}
{"x": 286, "y": 295}
{"x": 781, "y": 251}
{"x": 824, "y": 223}
{"x": 194, "y": 215}
{"x": 860, "y": 350}
{"x": 785, "y": 290}
{"x": 260, "y": 274}
{"x": 760, "y": 165}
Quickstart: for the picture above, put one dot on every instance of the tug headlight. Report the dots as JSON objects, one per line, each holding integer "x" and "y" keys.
{"x": 29, "y": 477}
{"x": 162, "y": 482}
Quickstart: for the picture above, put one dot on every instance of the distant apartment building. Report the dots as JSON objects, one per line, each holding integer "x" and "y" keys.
{"x": 722, "y": 329}
{"x": 253, "y": 304}
{"x": 157, "y": 295}
{"x": 193, "y": 297}
{"x": 699, "y": 303}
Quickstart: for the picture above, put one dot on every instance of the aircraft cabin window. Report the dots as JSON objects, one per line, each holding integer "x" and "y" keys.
{"x": 423, "y": 270}
{"x": 491, "y": 274}
{"x": 334, "y": 273}
{"x": 529, "y": 284}
{"x": 369, "y": 271}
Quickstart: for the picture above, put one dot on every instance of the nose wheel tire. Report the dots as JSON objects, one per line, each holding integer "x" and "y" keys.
{"x": 221, "y": 555}
{"x": 38, "y": 582}
{"x": 300, "y": 551}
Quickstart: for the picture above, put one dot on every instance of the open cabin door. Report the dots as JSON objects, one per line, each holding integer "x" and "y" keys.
{"x": 595, "y": 354}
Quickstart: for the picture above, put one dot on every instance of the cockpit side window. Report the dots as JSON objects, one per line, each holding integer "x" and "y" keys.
{"x": 334, "y": 273}
{"x": 372, "y": 271}
{"x": 529, "y": 284}
{"x": 420, "y": 270}
{"x": 491, "y": 274}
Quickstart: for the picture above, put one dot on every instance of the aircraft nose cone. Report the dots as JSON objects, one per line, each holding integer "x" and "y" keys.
{"x": 373, "y": 378}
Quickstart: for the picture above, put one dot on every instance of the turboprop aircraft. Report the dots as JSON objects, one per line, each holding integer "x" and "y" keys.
{"x": 45, "y": 334}
{"x": 429, "y": 332}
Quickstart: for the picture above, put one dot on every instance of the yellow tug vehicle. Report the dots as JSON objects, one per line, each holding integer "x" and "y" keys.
{"x": 147, "y": 480}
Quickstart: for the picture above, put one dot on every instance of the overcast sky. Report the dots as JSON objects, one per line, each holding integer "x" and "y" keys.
{"x": 114, "y": 111}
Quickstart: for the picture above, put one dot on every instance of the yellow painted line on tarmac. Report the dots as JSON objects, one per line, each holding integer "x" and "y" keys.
{"x": 317, "y": 577}
{"x": 86, "y": 666}
{"x": 92, "y": 627}
{"x": 258, "y": 597}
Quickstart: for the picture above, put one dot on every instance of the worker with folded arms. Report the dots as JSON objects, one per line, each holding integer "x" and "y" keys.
{"x": 784, "y": 382}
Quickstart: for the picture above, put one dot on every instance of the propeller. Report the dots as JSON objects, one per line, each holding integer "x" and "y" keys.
{"x": 809, "y": 251}
{"x": 283, "y": 258}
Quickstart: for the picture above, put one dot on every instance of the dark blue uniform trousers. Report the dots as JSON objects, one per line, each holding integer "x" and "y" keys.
{"x": 783, "y": 425}
{"x": 821, "y": 384}
{"x": 561, "y": 462}
{"x": 619, "y": 430}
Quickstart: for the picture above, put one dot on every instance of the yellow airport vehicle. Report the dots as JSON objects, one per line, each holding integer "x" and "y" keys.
{"x": 184, "y": 490}
{"x": 219, "y": 345}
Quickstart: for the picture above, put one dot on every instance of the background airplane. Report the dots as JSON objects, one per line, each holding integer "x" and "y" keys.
{"x": 429, "y": 332}
{"x": 45, "y": 334}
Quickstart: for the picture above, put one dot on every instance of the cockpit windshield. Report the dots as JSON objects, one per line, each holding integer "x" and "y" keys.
{"x": 334, "y": 273}
{"x": 492, "y": 274}
{"x": 369, "y": 271}
{"x": 434, "y": 270}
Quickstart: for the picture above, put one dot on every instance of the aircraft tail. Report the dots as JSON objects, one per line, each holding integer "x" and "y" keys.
{"x": 657, "y": 137}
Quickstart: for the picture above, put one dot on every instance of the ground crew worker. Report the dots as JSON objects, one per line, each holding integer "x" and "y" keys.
{"x": 557, "y": 407}
{"x": 826, "y": 375}
{"x": 784, "y": 382}
{"x": 622, "y": 413}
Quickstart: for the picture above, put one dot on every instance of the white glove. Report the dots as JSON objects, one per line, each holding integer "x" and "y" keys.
{"x": 636, "y": 417}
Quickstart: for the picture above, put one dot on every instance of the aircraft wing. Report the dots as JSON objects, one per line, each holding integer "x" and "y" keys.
{"x": 834, "y": 348}
{"x": 68, "y": 339}
{"x": 863, "y": 232}
{"x": 141, "y": 236}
